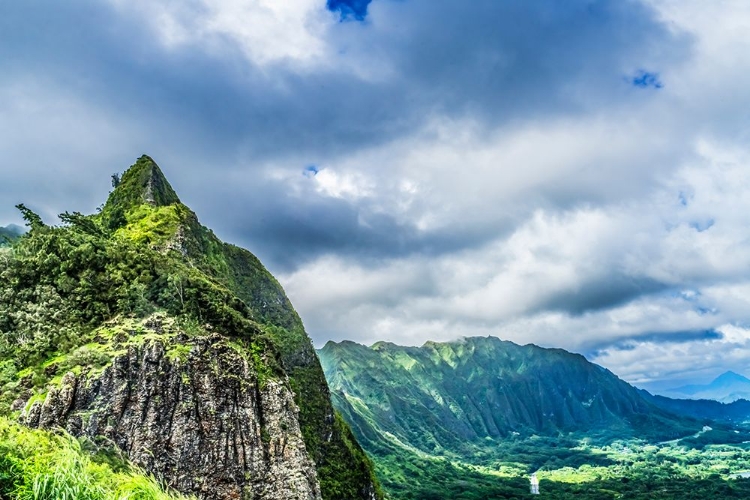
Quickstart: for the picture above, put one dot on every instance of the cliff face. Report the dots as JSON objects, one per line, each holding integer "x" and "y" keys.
{"x": 203, "y": 420}
{"x": 139, "y": 329}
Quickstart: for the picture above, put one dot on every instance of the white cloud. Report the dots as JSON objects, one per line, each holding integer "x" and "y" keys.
{"x": 658, "y": 365}
{"x": 503, "y": 287}
{"x": 343, "y": 185}
{"x": 265, "y": 31}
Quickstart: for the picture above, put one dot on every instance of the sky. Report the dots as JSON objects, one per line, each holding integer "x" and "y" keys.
{"x": 570, "y": 174}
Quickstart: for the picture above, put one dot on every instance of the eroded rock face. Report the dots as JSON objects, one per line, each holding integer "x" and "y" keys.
{"x": 201, "y": 420}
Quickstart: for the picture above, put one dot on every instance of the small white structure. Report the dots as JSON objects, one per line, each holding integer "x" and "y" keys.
{"x": 534, "y": 484}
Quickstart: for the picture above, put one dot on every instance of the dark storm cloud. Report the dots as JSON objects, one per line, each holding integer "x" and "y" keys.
{"x": 604, "y": 292}
{"x": 497, "y": 61}
{"x": 632, "y": 343}
{"x": 310, "y": 225}
{"x": 514, "y": 60}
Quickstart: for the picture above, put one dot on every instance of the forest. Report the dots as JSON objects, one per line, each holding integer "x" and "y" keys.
{"x": 691, "y": 468}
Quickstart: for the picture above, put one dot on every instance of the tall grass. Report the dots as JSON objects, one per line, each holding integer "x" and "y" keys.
{"x": 41, "y": 465}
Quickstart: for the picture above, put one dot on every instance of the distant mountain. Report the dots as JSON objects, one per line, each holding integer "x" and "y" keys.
{"x": 10, "y": 233}
{"x": 457, "y": 396}
{"x": 446, "y": 419}
{"x": 703, "y": 409}
{"x": 725, "y": 388}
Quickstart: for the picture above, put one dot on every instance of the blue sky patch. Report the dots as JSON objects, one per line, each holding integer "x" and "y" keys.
{"x": 644, "y": 79}
{"x": 311, "y": 171}
{"x": 349, "y": 9}
{"x": 701, "y": 226}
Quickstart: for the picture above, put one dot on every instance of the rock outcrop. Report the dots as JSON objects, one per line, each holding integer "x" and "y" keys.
{"x": 206, "y": 422}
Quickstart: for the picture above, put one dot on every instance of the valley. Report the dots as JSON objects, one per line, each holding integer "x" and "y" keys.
{"x": 474, "y": 418}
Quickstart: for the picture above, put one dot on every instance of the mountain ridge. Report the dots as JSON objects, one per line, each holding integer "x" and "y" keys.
{"x": 513, "y": 368}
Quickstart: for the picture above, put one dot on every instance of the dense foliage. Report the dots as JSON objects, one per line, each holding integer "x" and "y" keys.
{"x": 632, "y": 469}
{"x": 40, "y": 465}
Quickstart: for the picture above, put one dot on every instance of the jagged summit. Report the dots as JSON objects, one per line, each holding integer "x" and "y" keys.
{"x": 143, "y": 182}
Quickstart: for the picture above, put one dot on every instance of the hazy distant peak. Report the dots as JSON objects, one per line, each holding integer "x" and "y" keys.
{"x": 729, "y": 377}
{"x": 726, "y": 388}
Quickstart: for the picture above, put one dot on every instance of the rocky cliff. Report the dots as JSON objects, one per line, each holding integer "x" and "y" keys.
{"x": 139, "y": 329}
{"x": 203, "y": 419}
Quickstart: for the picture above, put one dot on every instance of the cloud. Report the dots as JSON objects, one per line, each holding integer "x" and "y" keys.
{"x": 264, "y": 31}
{"x": 478, "y": 168}
{"x": 661, "y": 364}
{"x": 604, "y": 281}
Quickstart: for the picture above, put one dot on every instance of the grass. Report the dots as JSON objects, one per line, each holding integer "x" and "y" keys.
{"x": 40, "y": 465}
{"x": 148, "y": 224}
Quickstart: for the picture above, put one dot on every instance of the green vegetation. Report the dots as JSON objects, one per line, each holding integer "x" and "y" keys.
{"x": 637, "y": 471}
{"x": 76, "y": 295}
{"x": 474, "y": 418}
{"x": 40, "y": 465}
{"x": 576, "y": 469}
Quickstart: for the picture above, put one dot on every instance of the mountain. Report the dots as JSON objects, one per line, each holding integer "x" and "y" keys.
{"x": 725, "y": 388}
{"x": 138, "y": 330}
{"x": 443, "y": 395}
{"x": 10, "y": 233}
{"x": 485, "y": 403}
{"x": 703, "y": 409}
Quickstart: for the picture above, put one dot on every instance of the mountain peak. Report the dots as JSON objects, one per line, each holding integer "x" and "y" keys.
{"x": 727, "y": 387}
{"x": 730, "y": 377}
{"x": 142, "y": 183}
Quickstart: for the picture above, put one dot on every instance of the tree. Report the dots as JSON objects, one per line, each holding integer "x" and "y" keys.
{"x": 32, "y": 219}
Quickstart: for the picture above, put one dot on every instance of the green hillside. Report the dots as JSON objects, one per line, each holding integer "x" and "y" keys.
{"x": 39, "y": 464}
{"x": 452, "y": 397}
